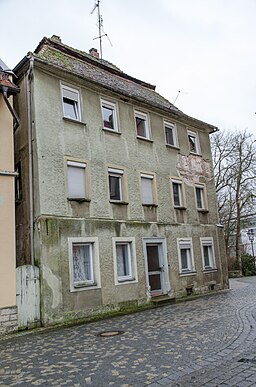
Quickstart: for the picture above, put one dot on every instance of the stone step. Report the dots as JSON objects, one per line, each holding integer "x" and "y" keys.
{"x": 163, "y": 300}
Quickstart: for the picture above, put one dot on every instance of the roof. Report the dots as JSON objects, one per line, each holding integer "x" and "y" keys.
{"x": 4, "y": 67}
{"x": 52, "y": 52}
{"x": 5, "y": 83}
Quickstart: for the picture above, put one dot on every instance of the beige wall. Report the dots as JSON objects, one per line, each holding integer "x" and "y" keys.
{"x": 7, "y": 218}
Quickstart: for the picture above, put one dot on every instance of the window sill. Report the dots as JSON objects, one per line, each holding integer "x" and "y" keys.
{"x": 74, "y": 121}
{"x": 210, "y": 270}
{"x": 149, "y": 205}
{"x": 182, "y": 274}
{"x": 144, "y": 139}
{"x": 126, "y": 282}
{"x": 121, "y": 281}
{"x": 120, "y": 202}
{"x": 80, "y": 200}
{"x": 195, "y": 154}
{"x": 111, "y": 131}
{"x": 202, "y": 210}
{"x": 85, "y": 285}
{"x": 172, "y": 146}
{"x": 180, "y": 208}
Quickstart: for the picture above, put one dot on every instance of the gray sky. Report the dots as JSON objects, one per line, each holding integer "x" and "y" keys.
{"x": 204, "y": 48}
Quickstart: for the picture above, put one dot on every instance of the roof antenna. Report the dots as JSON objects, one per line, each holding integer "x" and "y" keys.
{"x": 100, "y": 26}
{"x": 176, "y": 97}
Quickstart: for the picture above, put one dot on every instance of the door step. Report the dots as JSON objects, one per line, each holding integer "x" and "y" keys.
{"x": 163, "y": 300}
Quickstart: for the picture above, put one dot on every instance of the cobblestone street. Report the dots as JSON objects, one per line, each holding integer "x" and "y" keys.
{"x": 210, "y": 341}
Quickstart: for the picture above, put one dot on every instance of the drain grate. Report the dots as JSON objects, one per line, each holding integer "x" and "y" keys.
{"x": 109, "y": 333}
{"x": 243, "y": 360}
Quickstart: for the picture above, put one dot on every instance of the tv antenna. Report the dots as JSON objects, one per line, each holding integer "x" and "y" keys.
{"x": 100, "y": 26}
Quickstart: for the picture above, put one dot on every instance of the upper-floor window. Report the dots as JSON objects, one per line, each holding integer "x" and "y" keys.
{"x": 193, "y": 142}
{"x": 201, "y": 201}
{"x": 109, "y": 115}
{"x": 115, "y": 180}
{"x": 208, "y": 255}
{"x": 170, "y": 134}
{"x": 178, "y": 193}
{"x": 142, "y": 125}
{"x": 71, "y": 103}
{"x": 148, "y": 189}
{"x": 76, "y": 180}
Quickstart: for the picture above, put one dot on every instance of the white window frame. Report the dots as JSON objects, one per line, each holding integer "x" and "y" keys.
{"x": 153, "y": 185}
{"x": 202, "y": 190}
{"x": 186, "y": 243}
{"x": 81, "y": 165}
{"x": 208, "y": 242}
{"x": 112, "y": 106}
{"x": 130, "y": 242}
{"x": 181, "y": 193}
{"x": 190, "y": 133}
{"x": 145, "y": 118}
{"x": 117, "y": 173}
{"x": 77, "y": 104}
{"x": 94, "y": 283}
{"x": 171, "y": 126}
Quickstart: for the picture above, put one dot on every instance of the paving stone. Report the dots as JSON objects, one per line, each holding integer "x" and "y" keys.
{"x": 197, "y": 343}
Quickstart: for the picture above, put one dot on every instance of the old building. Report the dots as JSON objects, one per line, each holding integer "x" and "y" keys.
{"x": 118, "y": 204}
{"x": 8, "y": 310}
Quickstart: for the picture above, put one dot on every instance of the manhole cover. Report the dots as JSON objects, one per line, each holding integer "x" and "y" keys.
{"x": 110, "y": 333}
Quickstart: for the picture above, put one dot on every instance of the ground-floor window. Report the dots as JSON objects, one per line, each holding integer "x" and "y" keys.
{"x": 208, "y": 255}
{"x": 124, "y": 259}
{"x": 185, "y": 253}
{"x": 84, "y": 263}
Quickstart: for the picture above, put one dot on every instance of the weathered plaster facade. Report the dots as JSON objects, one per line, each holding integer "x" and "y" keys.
{"x": 60, "y": 222}
{"x": 8, "y": 312}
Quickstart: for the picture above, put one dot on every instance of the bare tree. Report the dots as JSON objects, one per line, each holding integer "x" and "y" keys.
{"x": 234, "y": 161}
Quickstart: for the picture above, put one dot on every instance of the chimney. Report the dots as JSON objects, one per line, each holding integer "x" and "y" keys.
{"x": 56, "y": 38}
{"x": 94, "y": 52}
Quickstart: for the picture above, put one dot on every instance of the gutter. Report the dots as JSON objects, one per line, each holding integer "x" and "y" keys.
{"x": 12, "y": 111}
{"x": 30, "y": 160}
{"x": 8, "y": 173}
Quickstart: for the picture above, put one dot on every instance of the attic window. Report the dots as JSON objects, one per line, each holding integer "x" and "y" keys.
{"x": 71, "y": 103}
{"x": 109, "y": 115}
{"x": 142, "y": 125}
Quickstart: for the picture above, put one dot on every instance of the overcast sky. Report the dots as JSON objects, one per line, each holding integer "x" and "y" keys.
{"x": 203, "y": 48}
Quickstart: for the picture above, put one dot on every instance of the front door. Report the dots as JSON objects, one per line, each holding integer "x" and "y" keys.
{"x": 155, "y": 268}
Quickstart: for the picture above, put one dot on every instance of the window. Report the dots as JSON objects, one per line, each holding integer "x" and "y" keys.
{"x": 142, "y": 125}
{"x": 193, "y": 142}
{"x": 71, "y": 105}
{"x": 147, "y": 189}
{"x": 115, "y": 179}
{"x": 124, "y": 259}
{"x": 200, "y": 197}
{"x": 170, "y": 134}
{"x": 18, "y": 183}
{"x": 186, "y": 260}
{"x": 83, "y": 263}
{"x": 76, "y": 180}
{"x": 207, "y": 253}
{"x": 177, "y": 193}
{"x": 109, "y": 116}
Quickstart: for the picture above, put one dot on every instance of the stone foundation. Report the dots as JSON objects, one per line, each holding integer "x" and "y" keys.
{"x": 8, "y": 320}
